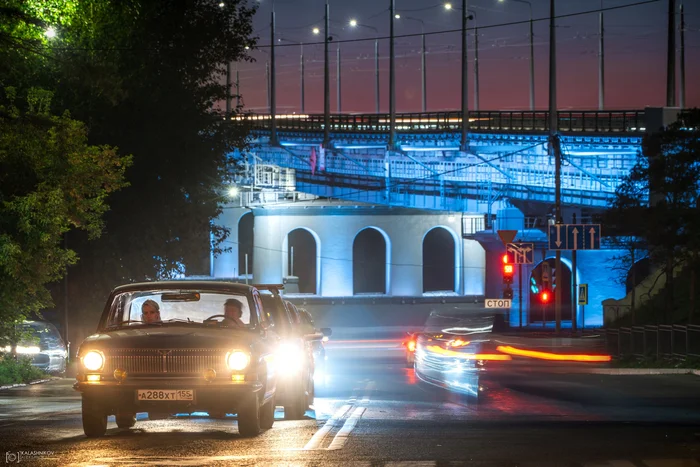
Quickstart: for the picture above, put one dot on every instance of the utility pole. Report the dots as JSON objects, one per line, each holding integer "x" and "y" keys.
{"x": 424, "y": 79}
{"x": 228, "y": 90}
{"x": 337, "y": 79}
{"x": 238, "y": 88}
{"x": 671, "y": 56}
{"x": 326, "y": 85}
{"x": 601, "y": 60}
{"x": 555, "y": 152}
{"x": 376, "y": 75}
{"x": 301, "y": 67}
{"x": 464, "y": 146}
{"x": 681, "y": 94}
{"x": 532, "y": 61}
{"x": 267, "y": 82}
{"x": 476, "y": 63}
{"x": 273, "y": 80}
{"x": 392, "y": 78}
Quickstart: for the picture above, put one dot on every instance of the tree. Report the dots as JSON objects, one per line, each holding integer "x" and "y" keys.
{"x": 657, "y": 202}
{"x": 51, "y": 180}
{"x": 146, "y": 76}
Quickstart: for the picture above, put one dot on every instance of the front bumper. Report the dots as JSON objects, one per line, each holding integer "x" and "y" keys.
{"x": 226, "y": 396}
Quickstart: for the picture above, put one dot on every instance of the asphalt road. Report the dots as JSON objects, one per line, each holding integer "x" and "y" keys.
{"x": 373, "y": 411}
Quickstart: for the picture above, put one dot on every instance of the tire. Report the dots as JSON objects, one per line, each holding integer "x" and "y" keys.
{"x": 249, "y": 419}
{"x": 295, "y": 410}
{"x": 267, "y": 414}
{"x": 94, "y": 418}
{"x": 126, "y": 420}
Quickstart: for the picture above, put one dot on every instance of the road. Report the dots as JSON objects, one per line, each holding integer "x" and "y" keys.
{"x": 373, "y": 411}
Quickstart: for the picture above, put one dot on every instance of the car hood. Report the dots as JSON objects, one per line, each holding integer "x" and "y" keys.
{"x": 171, "y": 337}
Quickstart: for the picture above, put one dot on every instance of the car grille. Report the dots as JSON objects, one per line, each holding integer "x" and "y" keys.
{"x": 175, "y": 361}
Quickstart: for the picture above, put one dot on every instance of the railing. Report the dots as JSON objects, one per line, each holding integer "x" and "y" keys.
{"x": 657, "y": 341}
{"x": 593, "y": 121}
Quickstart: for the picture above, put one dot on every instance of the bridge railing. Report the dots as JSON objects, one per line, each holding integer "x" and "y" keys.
{"x": 593, "y": 121}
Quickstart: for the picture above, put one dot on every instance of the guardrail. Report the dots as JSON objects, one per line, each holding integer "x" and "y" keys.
{"x": 659, "y": 341}
{"x": 593, "y": 121}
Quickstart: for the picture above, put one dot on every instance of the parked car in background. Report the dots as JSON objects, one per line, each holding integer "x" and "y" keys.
{"x": 185, "y": 357}
{"x": 41, "y": 341}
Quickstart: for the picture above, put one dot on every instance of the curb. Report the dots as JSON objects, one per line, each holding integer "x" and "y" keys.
{"x": 38, "y": 381}
{"x": 644, "y": 371}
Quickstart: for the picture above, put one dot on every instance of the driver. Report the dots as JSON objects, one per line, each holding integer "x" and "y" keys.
{"x": 233, "y": 310}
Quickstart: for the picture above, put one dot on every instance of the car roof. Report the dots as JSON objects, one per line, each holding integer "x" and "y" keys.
{"x": 188, "y": 285}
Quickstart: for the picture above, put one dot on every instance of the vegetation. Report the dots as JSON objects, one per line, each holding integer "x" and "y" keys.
{"x": 18, "y": 370}
{"x": 145, "y": 77}
{"x": 657, "y": 207}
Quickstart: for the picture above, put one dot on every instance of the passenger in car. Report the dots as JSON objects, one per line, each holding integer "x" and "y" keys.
{"x": 150, "y": 312}
{"x": 233, "y": 310}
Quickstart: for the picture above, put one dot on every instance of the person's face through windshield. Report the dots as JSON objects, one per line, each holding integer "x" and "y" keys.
{"x": 150, "y": 312}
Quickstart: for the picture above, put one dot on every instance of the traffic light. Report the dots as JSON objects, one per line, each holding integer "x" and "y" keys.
{"x": 508, "y": 270}
{"x": 508, "y": 293}
{"x": 546, "y": 296}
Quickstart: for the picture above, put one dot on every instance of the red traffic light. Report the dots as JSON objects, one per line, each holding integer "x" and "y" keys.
{"x": 508, "y": 269}
{"x": 545, "y": 296}
{"x": 505, "y": 258}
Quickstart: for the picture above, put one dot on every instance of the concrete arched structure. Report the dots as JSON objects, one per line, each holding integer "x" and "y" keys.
{"x": 457, "y": 287}
{"x": 387, "y": 260}
{"x": 285, "y": 254}
{"x": 567, "y": 263}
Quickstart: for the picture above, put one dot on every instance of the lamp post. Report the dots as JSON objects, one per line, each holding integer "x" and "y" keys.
{"x": 601, "y": 59}
{"x": 301, "y": 71}
{"x": 464, "y": 141}
{"x": 392, "y": 77}
{"x": 476, "y": 60}
{"x": 532, "y": 53}
{"x": 273, "y": 100}
{"x": 353, "y": 24}
{"x": 424, "y": 102}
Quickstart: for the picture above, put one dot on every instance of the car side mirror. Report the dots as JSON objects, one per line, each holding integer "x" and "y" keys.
{"x": 327, "y": 332}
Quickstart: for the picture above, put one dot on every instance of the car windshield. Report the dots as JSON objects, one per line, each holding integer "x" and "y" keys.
{"x": 177, "y": 306}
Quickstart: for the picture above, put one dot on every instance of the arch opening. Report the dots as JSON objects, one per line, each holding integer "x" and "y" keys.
{"x": 439, "y": 261}
{"x": 369, "y": 268}
{"x": 543, "y": 312}
{"x": 301, "y": 259}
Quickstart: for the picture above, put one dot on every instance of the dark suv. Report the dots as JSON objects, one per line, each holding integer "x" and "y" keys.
{"x": 295, "y": 377}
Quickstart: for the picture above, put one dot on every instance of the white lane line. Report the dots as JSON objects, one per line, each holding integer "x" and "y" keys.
{"x": 368, "y": 390}
{"x": 342, "y": 436}
{"x": 320, "y": 435}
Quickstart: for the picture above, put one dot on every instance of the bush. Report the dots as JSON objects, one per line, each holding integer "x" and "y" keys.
{"x": 20, "y": 370}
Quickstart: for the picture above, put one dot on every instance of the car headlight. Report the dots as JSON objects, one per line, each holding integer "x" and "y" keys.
{"x": 238, "y": 360}
{"x": 290, "y": 357}
{"x": 93, "y": 360}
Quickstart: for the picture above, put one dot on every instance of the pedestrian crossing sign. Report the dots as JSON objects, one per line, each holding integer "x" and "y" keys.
{"x": 583, "y": 294}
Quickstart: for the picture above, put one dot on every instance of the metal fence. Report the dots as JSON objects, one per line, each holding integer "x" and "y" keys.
{"x": 659, "y": 341}
{"x": 593, "y": 121}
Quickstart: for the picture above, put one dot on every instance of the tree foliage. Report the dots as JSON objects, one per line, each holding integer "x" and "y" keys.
{"x": 657, "y": 204}
{"x": 51, "y": 180}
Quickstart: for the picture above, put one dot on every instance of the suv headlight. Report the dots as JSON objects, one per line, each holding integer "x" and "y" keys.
{"x": 238, "y": 360}
{"x": 93, "y": 360}
{"x": 290, "y": 357}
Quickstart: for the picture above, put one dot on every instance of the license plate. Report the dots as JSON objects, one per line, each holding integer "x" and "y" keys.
{"x": 165, "y": 395}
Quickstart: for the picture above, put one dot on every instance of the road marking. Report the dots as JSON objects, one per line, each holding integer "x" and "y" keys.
{"x": 342, "y": 436}
{"x": 320, "y": 435}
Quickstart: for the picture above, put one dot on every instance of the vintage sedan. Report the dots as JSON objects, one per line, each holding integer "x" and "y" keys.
{"x": 168, "y": 347}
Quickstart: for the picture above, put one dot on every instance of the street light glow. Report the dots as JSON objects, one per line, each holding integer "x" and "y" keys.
{"x": 222, "y": 4}
{"x": 316, "y": 31}
{"x": 233, "y": 191}
{"x": 353, "y": 23}
{"x": 397, "y": 16}
{"x": 50, "y": 32}
{"x": 448, "y": 6}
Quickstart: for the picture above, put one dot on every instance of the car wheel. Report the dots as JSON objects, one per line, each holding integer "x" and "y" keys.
{"x": 126, "y": 420}
{"x": 267, "y": 414}
{"x": 94, "y": 418}
{"x": 249, "y": 418}
{"x": 296, "y": 409}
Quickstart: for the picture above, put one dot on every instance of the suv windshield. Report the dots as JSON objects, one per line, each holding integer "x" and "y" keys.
{"x": 170, "y": 306}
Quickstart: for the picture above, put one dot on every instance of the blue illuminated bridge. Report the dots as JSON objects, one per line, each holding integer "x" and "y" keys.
{"x": 507, "y": 159}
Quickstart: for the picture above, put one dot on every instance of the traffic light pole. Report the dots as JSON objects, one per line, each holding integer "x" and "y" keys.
{"x": 555, "y": 152}
{"x": 520, "y": 296}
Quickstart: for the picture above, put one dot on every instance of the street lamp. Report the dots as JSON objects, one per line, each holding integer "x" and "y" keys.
{"x": 532, "y": 54}
{"x": 353, "y": 23}
{"x": 424, "y": 103}
{"x": 464, "y": 142}
{"x": 50, "y": 32}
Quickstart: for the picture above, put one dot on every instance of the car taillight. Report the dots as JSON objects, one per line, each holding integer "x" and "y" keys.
{"x": 411, "y": 346}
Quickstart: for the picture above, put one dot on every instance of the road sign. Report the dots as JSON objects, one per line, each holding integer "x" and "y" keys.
{"x": 498, "y": 303}
{"x": 574, "y": 236}
{"x": 521, "y": 253}
{"x": 583, "y": 294}
{"x": 507, "y": 236}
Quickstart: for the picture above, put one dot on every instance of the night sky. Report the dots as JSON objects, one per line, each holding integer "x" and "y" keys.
{"x": 635, "y": 55}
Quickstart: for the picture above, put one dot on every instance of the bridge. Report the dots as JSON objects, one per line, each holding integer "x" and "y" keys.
{"x": 507, "y": 163}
